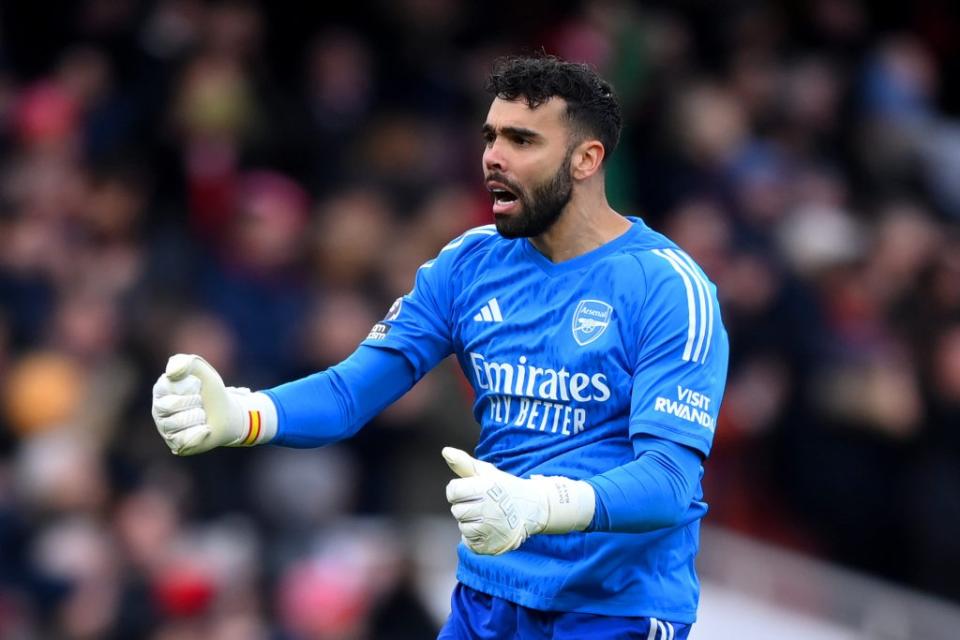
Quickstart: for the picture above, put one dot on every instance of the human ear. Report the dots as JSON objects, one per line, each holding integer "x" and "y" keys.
{"x": 586, "y": 159}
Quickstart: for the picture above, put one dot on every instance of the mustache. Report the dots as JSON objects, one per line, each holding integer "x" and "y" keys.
{"x": 502, "y": 179}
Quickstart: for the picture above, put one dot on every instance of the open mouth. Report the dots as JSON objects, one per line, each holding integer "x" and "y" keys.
{"x": 504, "y": 199}
{"x": 502, "y": 196}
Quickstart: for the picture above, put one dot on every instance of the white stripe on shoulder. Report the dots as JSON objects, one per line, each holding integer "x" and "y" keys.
{"x": 485, "y": 230}
{"x": 710, "y": 300}
{"x": 691, "y": 305}
{"x": 663, "y": 630}
{"x": 670, "y": 631}
{"x": 702, "y": 294}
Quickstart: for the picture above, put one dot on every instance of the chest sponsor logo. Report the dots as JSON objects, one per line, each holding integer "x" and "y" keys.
{"x": 537, "y": 398}
{"x": 590, "y": 319}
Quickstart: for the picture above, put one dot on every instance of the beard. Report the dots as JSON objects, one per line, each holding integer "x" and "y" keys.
{"x": 541, "y": 208}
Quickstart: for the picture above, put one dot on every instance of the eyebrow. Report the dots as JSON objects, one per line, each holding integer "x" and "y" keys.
{"x": 511, "y": 131}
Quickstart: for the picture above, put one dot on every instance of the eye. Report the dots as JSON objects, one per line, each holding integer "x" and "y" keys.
{"x": 521, "y": 141}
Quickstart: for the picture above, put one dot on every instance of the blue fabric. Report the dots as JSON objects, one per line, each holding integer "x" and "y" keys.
{"x": 651, "y": 492}
{"x": 478, "y": 616}
{"x": 571, "y": 363}
{"x": 333, "y": 405}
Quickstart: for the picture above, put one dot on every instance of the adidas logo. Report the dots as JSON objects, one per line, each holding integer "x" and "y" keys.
{"x": 489, "y": 312}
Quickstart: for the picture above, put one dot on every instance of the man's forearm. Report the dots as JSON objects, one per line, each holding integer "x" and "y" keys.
{"x": 327, "y": 407}
{"x": 652, "y": 492}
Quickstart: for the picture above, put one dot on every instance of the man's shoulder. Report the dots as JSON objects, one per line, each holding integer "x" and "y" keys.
{"x": 470, "y": 243}
{"x": 656, "y": 271}
{"x": 660, "y": 257}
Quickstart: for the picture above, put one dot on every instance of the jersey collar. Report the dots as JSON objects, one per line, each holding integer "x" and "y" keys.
{"x": 585, "y": 260}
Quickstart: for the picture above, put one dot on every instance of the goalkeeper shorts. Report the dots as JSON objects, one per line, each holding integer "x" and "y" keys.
{"x": 478, "y": 616}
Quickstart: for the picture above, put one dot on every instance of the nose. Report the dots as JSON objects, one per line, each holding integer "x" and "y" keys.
{"x": 493, "y": 157}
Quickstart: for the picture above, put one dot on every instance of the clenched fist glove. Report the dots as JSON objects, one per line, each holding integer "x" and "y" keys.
{"x": 194, "y": 411}
{"x": 497, "y": 511}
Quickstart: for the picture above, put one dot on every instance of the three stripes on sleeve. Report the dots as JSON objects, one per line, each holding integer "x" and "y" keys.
{"x": 699, "y": 304}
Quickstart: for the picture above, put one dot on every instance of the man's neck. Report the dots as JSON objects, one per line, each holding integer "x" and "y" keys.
{"x": 579, "y": 229}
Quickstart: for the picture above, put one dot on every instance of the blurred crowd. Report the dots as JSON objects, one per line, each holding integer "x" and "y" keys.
{"x": 257, "y": 183}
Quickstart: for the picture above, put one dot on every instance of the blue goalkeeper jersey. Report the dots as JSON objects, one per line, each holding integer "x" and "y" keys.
{"x": 569, "y": 361}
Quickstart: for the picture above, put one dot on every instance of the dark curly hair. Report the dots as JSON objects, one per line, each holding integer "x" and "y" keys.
{"x": 592, "y": 106}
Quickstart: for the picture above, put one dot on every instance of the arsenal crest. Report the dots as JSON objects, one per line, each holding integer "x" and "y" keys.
{"x": 590, "y": 320}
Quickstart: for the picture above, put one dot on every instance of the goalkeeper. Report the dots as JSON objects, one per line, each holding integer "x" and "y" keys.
{"x": 598, "y": 358}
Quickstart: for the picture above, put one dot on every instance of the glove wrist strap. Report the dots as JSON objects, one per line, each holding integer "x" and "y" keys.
{"x": 259, "y": 420}
{"x": 570, "y": 503}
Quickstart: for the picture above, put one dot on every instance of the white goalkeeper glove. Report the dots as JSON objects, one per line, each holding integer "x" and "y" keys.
{"x": 497, "y": 511}
{"x": 194, "y": 411}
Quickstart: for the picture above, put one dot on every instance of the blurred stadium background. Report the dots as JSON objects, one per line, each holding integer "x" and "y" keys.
{"x": 257, "y": 182}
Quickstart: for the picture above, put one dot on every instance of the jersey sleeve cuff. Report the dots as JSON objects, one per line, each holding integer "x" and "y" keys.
{"x": 405, "y": 348}
{"x": 703, "y": 444}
